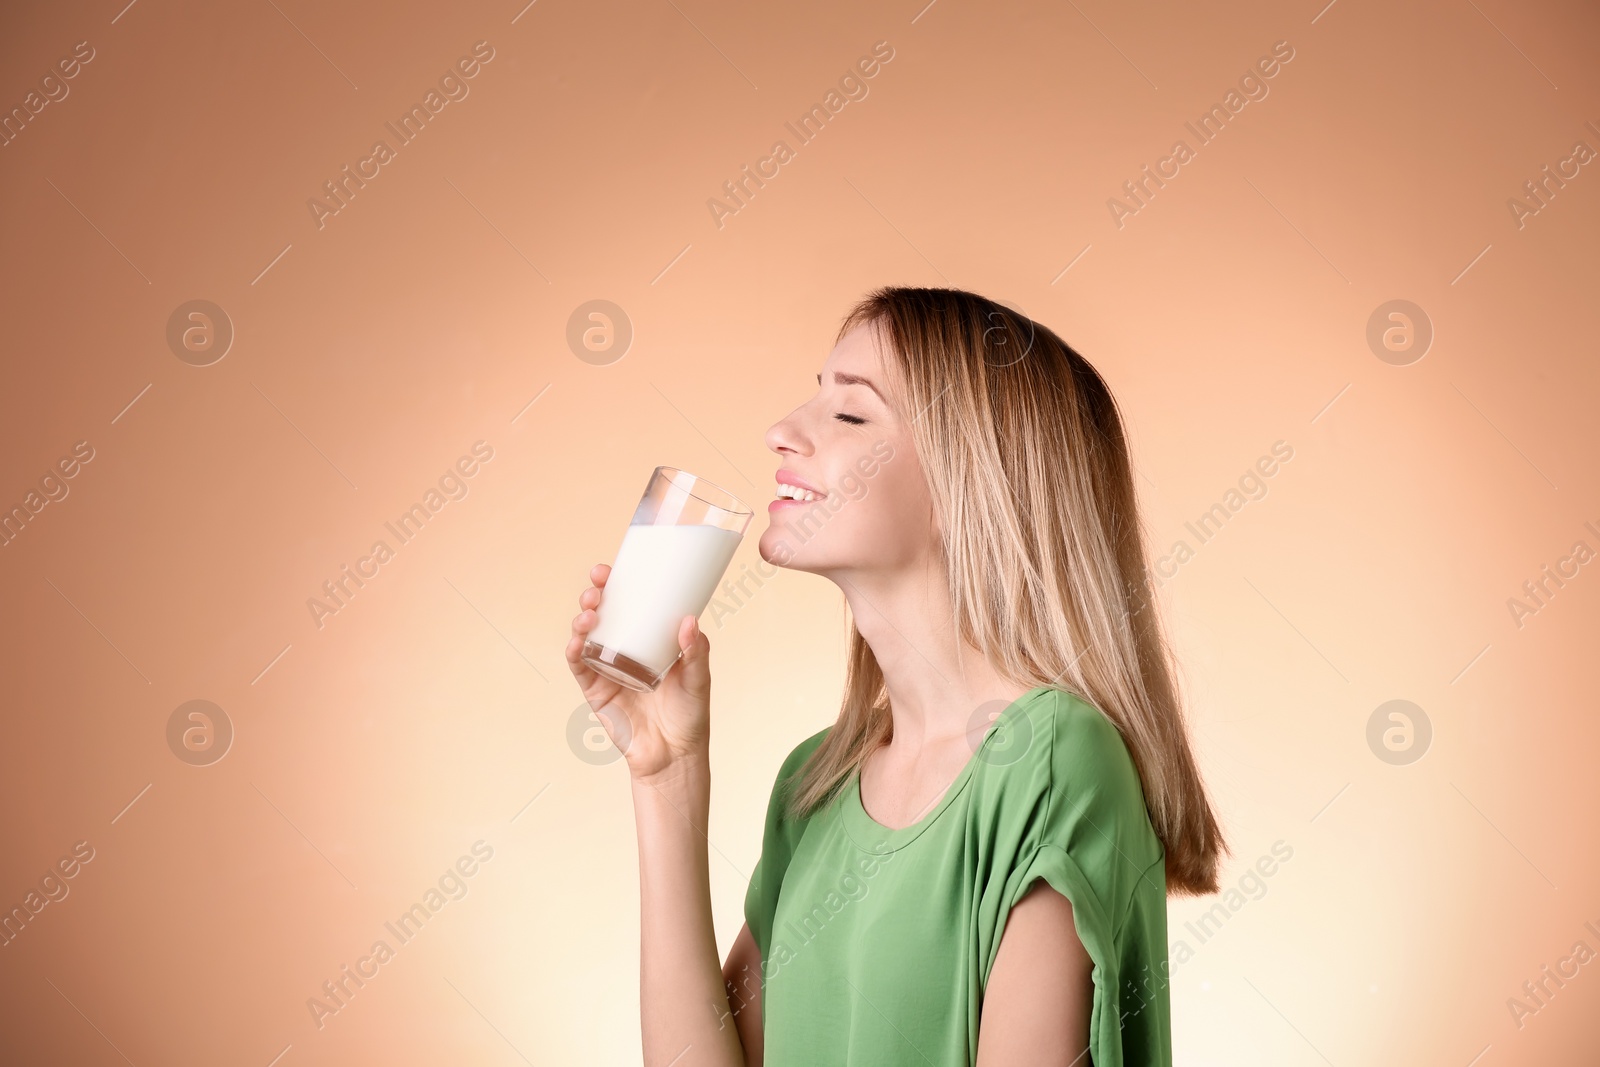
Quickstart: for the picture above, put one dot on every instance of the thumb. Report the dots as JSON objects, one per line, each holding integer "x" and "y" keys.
{"x": 696, "y": 663}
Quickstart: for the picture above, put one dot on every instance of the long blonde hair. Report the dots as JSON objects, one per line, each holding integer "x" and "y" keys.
{"x": 1027, "y": 463}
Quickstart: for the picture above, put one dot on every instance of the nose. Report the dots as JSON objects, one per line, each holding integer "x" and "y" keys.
{"x": 788, "y": 434}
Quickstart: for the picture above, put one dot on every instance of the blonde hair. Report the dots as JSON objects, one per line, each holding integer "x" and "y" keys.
{"x": 1027, "y": 463}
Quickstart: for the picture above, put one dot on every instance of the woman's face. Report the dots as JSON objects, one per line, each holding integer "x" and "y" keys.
{"x": 850, "y": 443}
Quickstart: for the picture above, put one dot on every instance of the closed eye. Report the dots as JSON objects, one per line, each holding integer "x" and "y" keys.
{"x": 853, "y": 420}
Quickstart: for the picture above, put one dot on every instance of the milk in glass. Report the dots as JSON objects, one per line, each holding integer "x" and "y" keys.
{"x": 661, "y": 574}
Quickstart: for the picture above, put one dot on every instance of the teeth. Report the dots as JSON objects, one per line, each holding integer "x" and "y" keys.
{"x": 794, "y": 492}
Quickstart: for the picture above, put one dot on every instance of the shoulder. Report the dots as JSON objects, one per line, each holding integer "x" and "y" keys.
{"x": 796, "y": 759}
{"x": 1075, "y": 817}
{"x": 1092, "y": 784}
{"x": 1083, "y": 746}
{"x": 780, "y": 836}
{"x": 789, "y": 772}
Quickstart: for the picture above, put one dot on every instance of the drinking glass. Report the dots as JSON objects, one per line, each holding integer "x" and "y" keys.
{"x": 676, "y": 549}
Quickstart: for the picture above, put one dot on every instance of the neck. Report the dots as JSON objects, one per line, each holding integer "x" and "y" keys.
{"x": 936, "y": 681}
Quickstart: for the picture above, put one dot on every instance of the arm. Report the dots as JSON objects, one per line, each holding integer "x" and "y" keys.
{"x": 1036, "y": 1005}
{"x": 683, "y": 998}
{"x": 742, "y": 977}
{"x": 665, "y": 736}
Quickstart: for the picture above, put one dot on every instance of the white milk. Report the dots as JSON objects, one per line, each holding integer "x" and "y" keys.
{"x": 661, "y": 574}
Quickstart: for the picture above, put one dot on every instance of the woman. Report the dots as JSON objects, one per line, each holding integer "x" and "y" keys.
{"x": 971, "y": 864}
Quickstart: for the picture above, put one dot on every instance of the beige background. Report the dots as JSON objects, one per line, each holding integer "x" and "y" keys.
{"x": 372, "y": 752}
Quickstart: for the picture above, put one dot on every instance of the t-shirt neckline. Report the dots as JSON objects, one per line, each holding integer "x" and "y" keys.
{"x": 869, "y": 835}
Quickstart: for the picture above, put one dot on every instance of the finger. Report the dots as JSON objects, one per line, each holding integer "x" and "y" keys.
{"x": 590, "y": 597}
{"x": 691, "y": 639}
{"x": 695, "y": 666}
{"x": 571, "y": 649}
{"x": 588, "y": 678}
{"x": 580, "y": 670}
{"x": 599, "y": 573}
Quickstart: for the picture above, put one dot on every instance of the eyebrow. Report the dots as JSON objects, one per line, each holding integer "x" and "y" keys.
{"x": 842, "y": 378}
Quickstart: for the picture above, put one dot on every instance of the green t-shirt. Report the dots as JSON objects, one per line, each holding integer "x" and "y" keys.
{"x": 876, "y": 944}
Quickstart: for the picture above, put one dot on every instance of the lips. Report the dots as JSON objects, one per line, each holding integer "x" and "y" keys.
{"x": 788, "y": 477}
{"x": 794, "y": 491}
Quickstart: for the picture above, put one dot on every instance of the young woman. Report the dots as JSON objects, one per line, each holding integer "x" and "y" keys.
{"x": 971, "y": 865}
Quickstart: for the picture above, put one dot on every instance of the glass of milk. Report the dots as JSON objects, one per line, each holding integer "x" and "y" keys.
{"x": 675, "y": 551}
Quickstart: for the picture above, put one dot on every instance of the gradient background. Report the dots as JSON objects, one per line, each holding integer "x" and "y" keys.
{"x": 435, "y": 709}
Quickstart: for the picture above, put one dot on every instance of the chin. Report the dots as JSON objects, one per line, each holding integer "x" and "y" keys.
{"x": 777, "y": 548}
{"x": 777, "y": 553}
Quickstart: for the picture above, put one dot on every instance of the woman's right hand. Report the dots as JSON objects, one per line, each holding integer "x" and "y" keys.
{"x": 656, "y": 732}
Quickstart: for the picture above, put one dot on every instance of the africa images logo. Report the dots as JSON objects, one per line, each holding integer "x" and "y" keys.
{"x": 452, "y": 87}
{"x": 1207, "y": 128}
